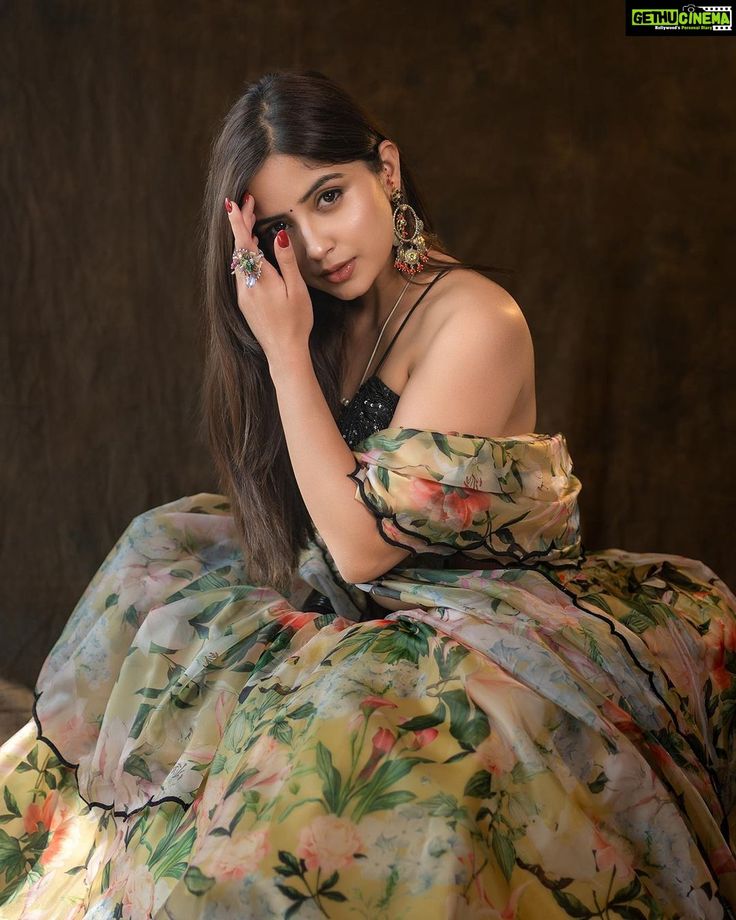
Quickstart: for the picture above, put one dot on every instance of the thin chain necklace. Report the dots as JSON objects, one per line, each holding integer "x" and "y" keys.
{"x": 345, "y": 400}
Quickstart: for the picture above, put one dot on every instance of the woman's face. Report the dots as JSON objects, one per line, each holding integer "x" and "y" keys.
{"x": 333, "y": 214}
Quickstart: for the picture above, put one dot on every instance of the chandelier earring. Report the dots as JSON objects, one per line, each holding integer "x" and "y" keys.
{"x": 411, "y": 247}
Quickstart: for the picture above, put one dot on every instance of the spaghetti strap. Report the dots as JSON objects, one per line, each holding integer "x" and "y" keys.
{"x": 403, "y": 323}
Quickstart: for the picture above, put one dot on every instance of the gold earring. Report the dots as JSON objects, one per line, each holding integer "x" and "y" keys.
{"x": 411, "y": 247}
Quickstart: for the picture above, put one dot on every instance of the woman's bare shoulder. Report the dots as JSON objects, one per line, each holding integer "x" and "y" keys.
{"x": 471, "y": 301}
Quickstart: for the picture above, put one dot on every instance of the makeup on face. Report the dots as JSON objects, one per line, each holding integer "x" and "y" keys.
{"x": 342, "y": 274}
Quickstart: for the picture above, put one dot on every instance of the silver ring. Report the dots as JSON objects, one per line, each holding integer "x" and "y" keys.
{"x": 247, "y": 261}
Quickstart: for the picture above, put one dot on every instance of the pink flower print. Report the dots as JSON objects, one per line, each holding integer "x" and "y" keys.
{"x": 296, "y": 619}
{"x": 52, "y": 816}
{"x": 138, "y": 894}
{"x": 223, "y": 708}
{"x": 609, "y": 854}
{"x": 76, "y": 733}
{"x": 455, "y": 507}
{"x": 366, "y": 707}
{"x": 231, "y": 859}
{"x": 269, "y": 757}
{"x": 370, "y": 703}
{"x": 722, "y": 860}
{"x": 42, "y": 814}
{"x": 422, "y": 738}
{"x": 665, "y": 643}
{"x": 383, "y": 741}
{"x": 329, "y": 843}
{"x": 720, "y": 639}
{"x": 482, "y": 908}
{"x": 496, "y": 755}
{"x": 621, "y": 719}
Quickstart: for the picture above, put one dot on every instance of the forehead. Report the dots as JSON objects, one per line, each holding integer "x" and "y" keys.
{"x": 283, "y": 179}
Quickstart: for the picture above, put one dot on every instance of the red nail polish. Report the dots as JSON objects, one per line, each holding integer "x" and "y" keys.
{"x": 245, "y": 199}
{"x": 228, "y": 205}
{"x": 283, "y": 238}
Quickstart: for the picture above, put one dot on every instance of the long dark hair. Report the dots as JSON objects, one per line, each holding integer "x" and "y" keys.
{"x": 305, "y": 115}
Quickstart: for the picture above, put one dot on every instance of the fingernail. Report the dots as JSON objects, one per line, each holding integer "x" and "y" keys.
{"x": 245, "y": 199}
{"x": 283, "y": 237}
{"x": 228, "y": 205}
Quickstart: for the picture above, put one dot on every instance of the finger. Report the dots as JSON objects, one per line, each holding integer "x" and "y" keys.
{"x": 242, "y": 231}
{"x": 248, "y": 211}
{"x": 288, "y": 264}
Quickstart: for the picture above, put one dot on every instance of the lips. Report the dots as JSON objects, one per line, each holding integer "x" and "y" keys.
{"x": 330, "y": 271}
{"x": 341, "y": 274}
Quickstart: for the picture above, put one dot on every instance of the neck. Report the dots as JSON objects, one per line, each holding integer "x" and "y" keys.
{"x": 378, "y": 301}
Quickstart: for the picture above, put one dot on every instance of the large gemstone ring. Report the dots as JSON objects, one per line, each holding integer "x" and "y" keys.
{"x": 248, "y": 262}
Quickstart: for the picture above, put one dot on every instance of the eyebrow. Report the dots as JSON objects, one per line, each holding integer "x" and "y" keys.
{"x": 313, "y": 188}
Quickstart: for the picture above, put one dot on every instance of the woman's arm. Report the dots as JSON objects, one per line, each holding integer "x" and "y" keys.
{"x": 471, "y": 376}
{"x": 322, "y": 461}
{"x": 467, "y": 381}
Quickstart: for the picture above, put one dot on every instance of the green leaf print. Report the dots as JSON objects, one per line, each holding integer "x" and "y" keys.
{"x": 282, "y": 731}
{"x": 236, "y": 653}
{"x": 629, "y": 913}
{"x": 407, "y": 641}
{"x": 172, "y": 862}
{"x": 111, "y": 600}
{"x": 209, "y": 612}
{"x": 637, "y": 621}
{"x": 572, "y": 906}
{"x": 137, "y": 766}
{"x": 11, "y": 802}
{"x": 448, "y": 656}
{"x": 479, "y": 785}
{"x": 595, "y": 601}
{"x": 388, "y": 800}
{"x": 157, "y": 649}
{"x": 468, "y": 725}
{"x": 302, "y": 712}
{"x": 333, "y": 895}
{"x": 629, "y": 892}
{"x": 291, "y": 893}
{"x": 599, "y": 783}
{"x": 330, "y": 776}
{"x": 149, "y": 693}
{"x": 140, "y": 720}
{"x": 238, "y": 780}
{"x": 442, "y": 444}
{"x": 196, "y": 881}
{"x": 430, "y": 720}
{"x": 10, "y": 853}
{"x": 289, "y": 864}
{"x": 504, "y": 852}
{"x": 106, "y": 874}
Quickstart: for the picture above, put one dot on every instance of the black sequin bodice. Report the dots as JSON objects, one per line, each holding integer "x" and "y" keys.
{"x": 368, "y": 411}
{"x": 374, "y": 404}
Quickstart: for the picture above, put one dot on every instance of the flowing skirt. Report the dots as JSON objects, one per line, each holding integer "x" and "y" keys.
{"x": 545, "y": 742}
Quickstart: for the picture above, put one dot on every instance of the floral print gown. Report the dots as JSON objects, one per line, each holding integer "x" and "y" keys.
{"x": 542, "y": 733}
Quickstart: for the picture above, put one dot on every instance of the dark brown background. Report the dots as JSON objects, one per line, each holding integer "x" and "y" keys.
{"x": 599, "y": 167}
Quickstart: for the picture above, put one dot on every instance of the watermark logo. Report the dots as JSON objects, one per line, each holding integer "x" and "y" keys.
{"x": 651, "y": 18}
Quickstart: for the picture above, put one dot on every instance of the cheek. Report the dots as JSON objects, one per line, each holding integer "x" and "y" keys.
{"x": 367, "y": 225}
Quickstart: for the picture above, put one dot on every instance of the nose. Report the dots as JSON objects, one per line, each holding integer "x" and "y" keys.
{"x": 317, "y": 242}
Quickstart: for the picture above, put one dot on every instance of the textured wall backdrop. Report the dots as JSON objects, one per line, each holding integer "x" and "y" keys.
{"x": 598, "y": 167}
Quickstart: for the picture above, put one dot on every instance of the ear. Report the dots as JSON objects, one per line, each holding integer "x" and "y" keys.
{"x": 390, "y": 165}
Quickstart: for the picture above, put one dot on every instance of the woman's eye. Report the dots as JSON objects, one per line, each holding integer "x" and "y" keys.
{"x": 332, "y": 191}
{"x": 270, "y": 232}
{"x": 274, "y": 228}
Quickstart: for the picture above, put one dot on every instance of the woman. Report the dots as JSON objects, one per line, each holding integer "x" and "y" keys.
{"x": 379, "y": 675}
